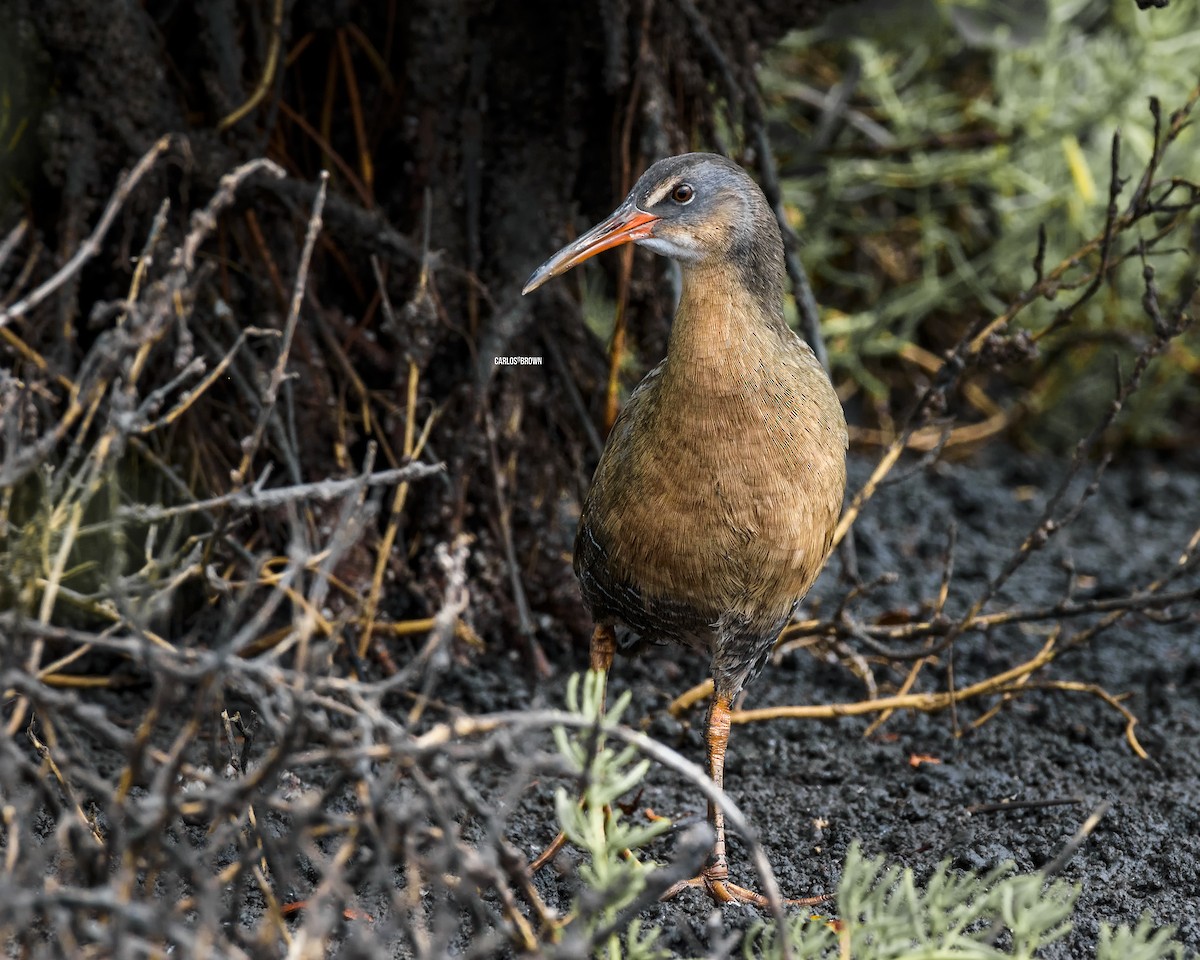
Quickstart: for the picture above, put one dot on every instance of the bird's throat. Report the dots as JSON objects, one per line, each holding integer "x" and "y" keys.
{"x": 722, "y": 333}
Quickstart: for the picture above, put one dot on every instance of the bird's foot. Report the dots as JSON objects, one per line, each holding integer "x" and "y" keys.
{"x": 548, "y": 854}
{"x": 714, "y": 880}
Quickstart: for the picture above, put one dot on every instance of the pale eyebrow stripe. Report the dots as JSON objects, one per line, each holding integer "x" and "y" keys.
{"x": 659, "y": 192}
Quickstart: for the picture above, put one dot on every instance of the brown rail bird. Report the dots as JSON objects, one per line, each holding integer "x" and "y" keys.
{"x": 714, "y": 503}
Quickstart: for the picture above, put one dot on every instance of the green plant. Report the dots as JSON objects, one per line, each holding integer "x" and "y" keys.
{"x": 885, "y": 915}
{"x": 1143, "y": 942}
{"x": 613, "y": 877}
{"x": 951, "y": 155}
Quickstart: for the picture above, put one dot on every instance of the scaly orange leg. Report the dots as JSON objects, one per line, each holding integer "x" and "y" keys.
{"x": 714, "y": 879}
{"x": 600, "y": 653}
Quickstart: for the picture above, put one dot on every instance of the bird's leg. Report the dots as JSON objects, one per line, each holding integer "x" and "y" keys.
{"x": 602, "y": 648}
{"x": 600, "y": 656}
{"x": 714, "y": 878}
{"x": 717, "y": 737}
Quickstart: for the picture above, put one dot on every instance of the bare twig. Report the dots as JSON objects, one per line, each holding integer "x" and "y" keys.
{"x": 90, "y": 246}
{"x": 270, "y": 497}
{"x": 251, "y": 444}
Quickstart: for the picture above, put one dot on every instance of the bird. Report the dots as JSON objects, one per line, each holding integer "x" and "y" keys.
{"x": 715, "y": 499}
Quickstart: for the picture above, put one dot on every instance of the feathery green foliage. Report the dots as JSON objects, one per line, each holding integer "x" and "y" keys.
{"x": 885, "y": 915}
{"x": 921, "y": 213}
{"x": 611, "y": 878}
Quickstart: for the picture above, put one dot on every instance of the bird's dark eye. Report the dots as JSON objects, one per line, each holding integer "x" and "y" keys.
{"x": 683, "y": 193}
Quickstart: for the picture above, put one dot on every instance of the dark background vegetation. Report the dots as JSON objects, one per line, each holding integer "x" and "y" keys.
{"x": 218, "y": 663}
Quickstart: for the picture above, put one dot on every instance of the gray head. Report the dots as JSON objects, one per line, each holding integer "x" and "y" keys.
{"x": 698, "y": 208}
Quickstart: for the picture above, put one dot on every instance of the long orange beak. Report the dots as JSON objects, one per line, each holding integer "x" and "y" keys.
{"x": 626, "y": 225}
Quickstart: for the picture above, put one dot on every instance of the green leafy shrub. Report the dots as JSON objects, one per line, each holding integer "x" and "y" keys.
{"x": 922, "y": 212}
{"x": 613, "y": 875}
{"x": 885, "y": 915}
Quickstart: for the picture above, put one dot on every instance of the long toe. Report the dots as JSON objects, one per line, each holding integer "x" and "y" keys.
{"x": 548, "y": 854}
{"x": 715, "y": 882}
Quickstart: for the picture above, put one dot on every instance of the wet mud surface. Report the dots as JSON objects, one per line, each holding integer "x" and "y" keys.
{"x": 811, "y": 788}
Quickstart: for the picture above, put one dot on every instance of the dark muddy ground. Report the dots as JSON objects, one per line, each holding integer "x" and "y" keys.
{"x": 789, "y": 776}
